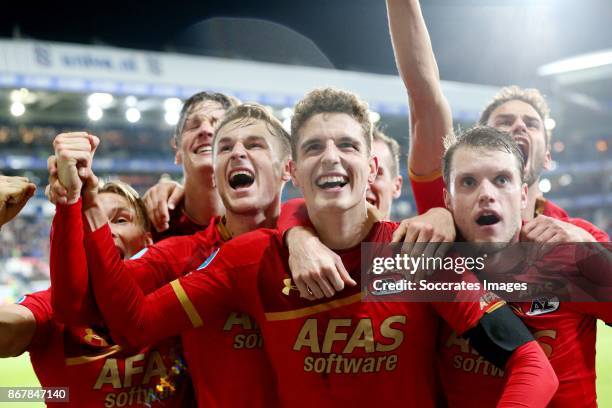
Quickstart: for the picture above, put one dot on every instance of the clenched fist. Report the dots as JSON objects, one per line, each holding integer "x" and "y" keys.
{"x": 14, "y": 194}
{"x": 74, "y": 154}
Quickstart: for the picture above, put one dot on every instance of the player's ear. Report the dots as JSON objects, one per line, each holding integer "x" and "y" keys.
{"x": 286, "y": 170}
{"x": 397, "y": 187}
{"x": 447, "y": 199}
{"x": 373, "y": 164}
{"x": 524, "y": 192}
{"x": 547, "y": 159}
{"x": 178, "y": 158}
{"x": 293, "y": 172}
{"x": 148, "y": 239}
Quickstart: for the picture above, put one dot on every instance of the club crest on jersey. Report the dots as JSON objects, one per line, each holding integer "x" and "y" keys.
{"x": 543, "y": 305}
{"x": 91, "y": 337}
{"x": 288, "y": 286}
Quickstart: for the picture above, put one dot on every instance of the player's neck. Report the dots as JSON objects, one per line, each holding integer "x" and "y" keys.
{"x": 202, "y": 200}
{"x": 342, "y": 230}
{"x": 533, "y": 192}
{"x": 240, "y": 223}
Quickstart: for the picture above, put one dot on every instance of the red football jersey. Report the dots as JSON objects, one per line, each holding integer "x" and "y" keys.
{"x": 99, "y": 373}
{"x": 324, "y": 353}
{"x": 550, "y": 209}
{"x": 232, "y": 341}
{"x": 566, "y": 332}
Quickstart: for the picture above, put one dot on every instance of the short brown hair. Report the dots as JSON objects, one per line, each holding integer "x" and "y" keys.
{"x": 530, "y": 96}
{"x": 330, "y": 100}
{"x": 481, "y": 137}
{"x": 225, "y": 101}
{"x": 394, "y": 149}
{"x": 132, "y": 197}
{"x": 253, "y": 111}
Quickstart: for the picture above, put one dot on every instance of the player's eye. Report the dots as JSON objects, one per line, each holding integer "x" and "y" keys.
{"x": 255, "y": 145}
{"x": 468, "y": 182}
{"x": 348, "y": 146}
{"x": 313, "y": 147}
{"x": 502, "y": 180}
{"x": 225, "y": 148}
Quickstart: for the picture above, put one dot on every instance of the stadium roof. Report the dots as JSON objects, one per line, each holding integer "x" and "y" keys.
{"x": 518, "y": 35}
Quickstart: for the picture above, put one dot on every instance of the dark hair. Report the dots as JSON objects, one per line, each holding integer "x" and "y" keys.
{"x": 330, "y": 100}
{"x": 530, "y": 96}
{"x": 254, "y": 111}
{"x": 394, "y": 149}
{"x": 225, "y": 101}
{"x": 481, "y": 137}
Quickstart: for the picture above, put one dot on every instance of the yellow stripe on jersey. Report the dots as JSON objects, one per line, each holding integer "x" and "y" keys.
{"x": 495, "y": 306}
{"x": 226, "y": 235}
{"x": 86, "y": 359}
{"x": 297, "y": 313}
{"x": 426, "y": 178}
{"x": 190, "y": 309}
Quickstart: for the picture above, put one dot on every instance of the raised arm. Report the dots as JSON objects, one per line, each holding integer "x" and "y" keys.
{"x": 134, "y": 317}
{"x": 431, "y": 118}
{"x": 70, "y": 296}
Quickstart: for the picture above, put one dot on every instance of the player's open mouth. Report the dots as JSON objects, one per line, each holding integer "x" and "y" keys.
{"x": 242, "y": 178}
{"x": 524, "y": 148}
{"x": 371, "y": 198}
{"x": 331, "y": 182}
{"x": 487, "y": 218}
{"x": 204, "y": 149}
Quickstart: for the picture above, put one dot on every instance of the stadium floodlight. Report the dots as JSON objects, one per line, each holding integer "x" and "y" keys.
{"x": 374, "y": 117}
{"x": 286, "y": 113}
{"x": 99, "y": 99}
{"x": 549, "y": 123}
{"x": 545, "y": 185}
{"x": 173, "y": 105}
{"x": 132, "y": 115}
{"x": 131, "y": 101}
{"x": 287, "y": 124}
{"x": 17, "y": 109}
{"x": 586, "y": 61}
{"x": 559, "y": 146}
{"x": 565, "y": 180}
{"x": 172, "y": 117}
{"x": 601, "y": 146}
{"x": 19, "y": 95}
{"x": 95, "y": 113}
